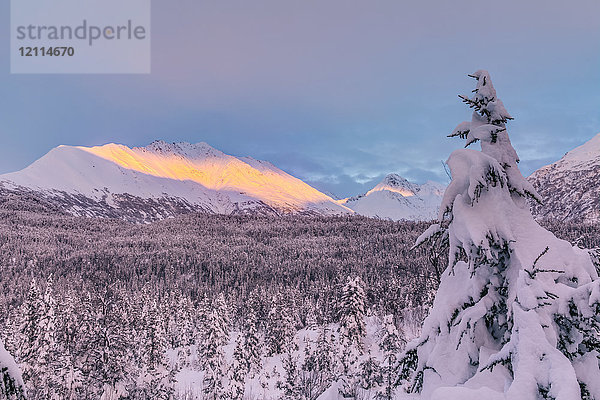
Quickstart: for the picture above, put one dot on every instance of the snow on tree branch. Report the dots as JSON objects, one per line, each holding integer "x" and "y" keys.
{"x": 517, "y": 312}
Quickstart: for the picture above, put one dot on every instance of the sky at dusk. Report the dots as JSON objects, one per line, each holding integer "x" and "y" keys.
{"x": 337, "y": 93}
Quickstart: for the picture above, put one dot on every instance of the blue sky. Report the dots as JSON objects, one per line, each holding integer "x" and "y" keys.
{"x": 338, "y": 93}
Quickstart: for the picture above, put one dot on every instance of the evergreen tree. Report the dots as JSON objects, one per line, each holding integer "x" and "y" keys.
{"x": 251, "y": 360}
{"x": 31, "y": 335}
{"x": 516, "y": 313}
{"x": 351, "y": 333}
{"x": 352, "y": 314}
{"x": 291, "y": 386}
{"x": 201, "y": 322}
{"x": 178, "y": 310}
{"x": 216, "y": 336}
{"x": 238, "y": 371}
{"x": 38, "y": 347}
{"x": 324, "y": 357}
{"x": 48, "y": 351}
{"x": 156, "y": 373}
{"x": 280, "y": 327}
{"x": 370, "y": 375}
{"x": 390, "y": 346}
{"x": 311, "y": 320}
{"x": 109, "y": 363}
{"x": 182, "y": 333}
{"x": 68, "y": 369}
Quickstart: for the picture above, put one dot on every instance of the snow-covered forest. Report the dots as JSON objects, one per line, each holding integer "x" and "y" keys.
{"x": 206, "y": 306}
{"x": 89, "y": 306}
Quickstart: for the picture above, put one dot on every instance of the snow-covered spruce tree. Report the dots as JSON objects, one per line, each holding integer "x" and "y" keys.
{"x": 352, "y": 313}
{"x": 351, "y": 334}
{"x": 390, "y": 346}
{"x": 237, "y": 371}
{"x": 178, "y": 319}
{"x": 280, "y": 327}
{"x": 30, "y": 338}
{"x": 370, "y": 377}
{"x": 250, "y": 345}
{"x": 290, "y": 386}
{"x": 315, "y": 374}
{"x": 216, "y": 336}
{"x": 49, "y": 351}
{"x": 311, "y": 320}
{"x": 203, "y": 311}
{"x": 181, "y": 331}
{"x": 108, "y": 363}
{"x": 246, "y": 357}
{"x": 324, "y": 358}
{"x": 68, "y": 371}
{"x": 517, "y": 313}
{"x": 38, "y": 348}
{"x": 11, "y": 382}
{"x": 156, "y": 378}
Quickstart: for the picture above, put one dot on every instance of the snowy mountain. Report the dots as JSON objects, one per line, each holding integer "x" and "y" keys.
{"x": 160, "y": 180}
{"x": 396, "y": 198}
{"x": 570, "y": 187}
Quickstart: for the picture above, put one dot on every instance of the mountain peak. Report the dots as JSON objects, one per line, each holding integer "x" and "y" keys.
{"x": 396, "y": 198}
{"x": 394, "y": 180}
{"x": 395, "y": 183}
{"x": 185, "y": 149}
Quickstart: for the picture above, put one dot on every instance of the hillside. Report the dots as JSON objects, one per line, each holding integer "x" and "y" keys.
{"x": 570, "y": 187}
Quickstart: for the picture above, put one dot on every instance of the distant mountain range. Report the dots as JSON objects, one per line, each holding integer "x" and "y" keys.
{"x": 161, "y": 180}
{"x": 144, "y": 184}
{"x": 570, "y": 187}
{"x": 395, "y": 198}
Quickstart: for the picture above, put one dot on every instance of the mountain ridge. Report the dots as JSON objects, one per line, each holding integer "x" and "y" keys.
{"x": 161, "y": 180}
{"x": 396, "y": 198}
{"x": 569, "y": 187}
{"x": 195, "y": 177}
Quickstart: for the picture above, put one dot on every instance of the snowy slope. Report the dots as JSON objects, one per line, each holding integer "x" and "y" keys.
{"x": 162, "y": 179}
{"x": 395, "y": 198}
{"x": 570, "y": 187}
{"x": 10, "y": 374}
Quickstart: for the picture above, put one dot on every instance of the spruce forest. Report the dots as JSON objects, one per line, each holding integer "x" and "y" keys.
{"x": 94, "y": 308}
